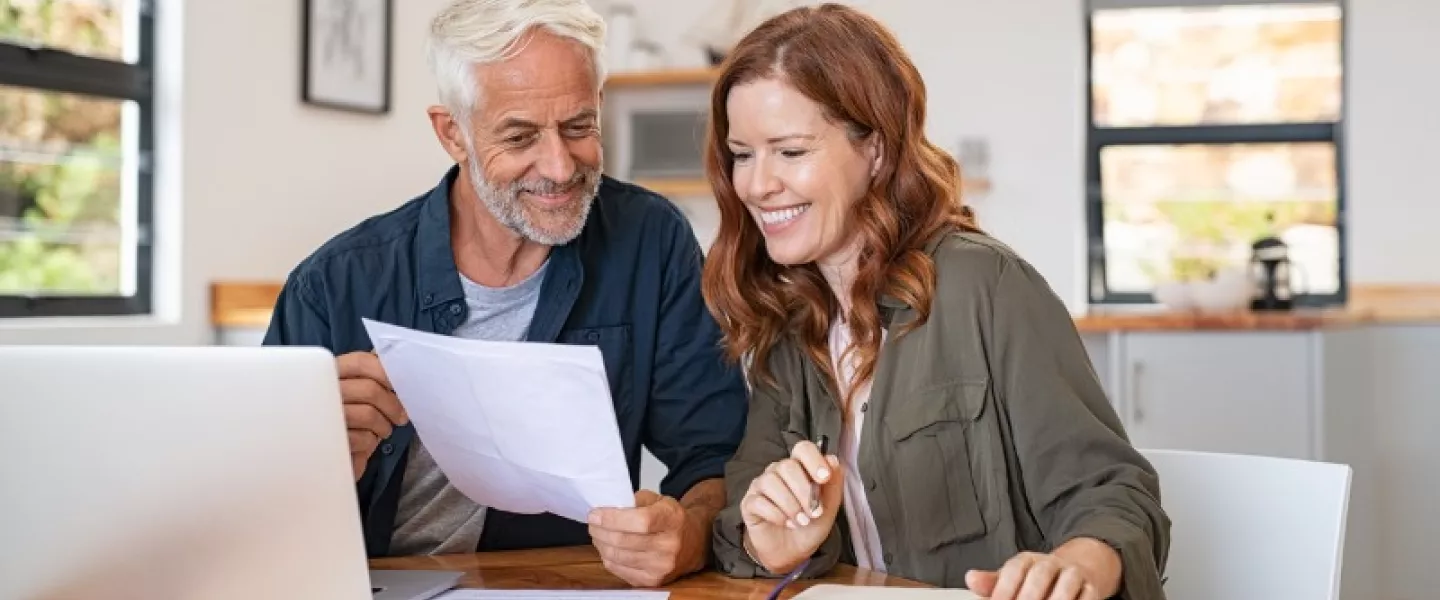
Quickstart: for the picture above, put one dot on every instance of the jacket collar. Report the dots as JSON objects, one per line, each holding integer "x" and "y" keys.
{"x": 436, "y": 273}
{"x": 889, "y": 305}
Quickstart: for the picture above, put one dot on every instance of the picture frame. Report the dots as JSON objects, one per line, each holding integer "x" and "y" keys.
{"x": 346, "y": 54}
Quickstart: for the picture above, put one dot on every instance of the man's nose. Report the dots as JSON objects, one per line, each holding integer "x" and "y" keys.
{"x": 555, "y": 163}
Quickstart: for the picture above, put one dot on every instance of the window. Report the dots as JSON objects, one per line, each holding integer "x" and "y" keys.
{"x": 76, "y": 119}
{"x": 1209, "y": 128}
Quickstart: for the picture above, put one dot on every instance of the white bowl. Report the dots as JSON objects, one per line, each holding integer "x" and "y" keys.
{"x": 1175, "y": 295}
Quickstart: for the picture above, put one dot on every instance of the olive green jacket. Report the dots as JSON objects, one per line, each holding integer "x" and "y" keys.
{"x": 987, "y": 434}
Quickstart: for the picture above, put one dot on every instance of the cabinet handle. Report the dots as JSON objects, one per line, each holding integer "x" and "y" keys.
{"x": 1136, "y": 412}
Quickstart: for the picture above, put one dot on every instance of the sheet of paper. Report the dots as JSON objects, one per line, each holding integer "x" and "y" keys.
{"x": 830, "y": 591}
{"x": 553, "y": 595}
{"x": 520, "y": 426}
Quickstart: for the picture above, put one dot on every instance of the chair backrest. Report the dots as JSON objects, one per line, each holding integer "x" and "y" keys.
{"x": 1252, "y": 527}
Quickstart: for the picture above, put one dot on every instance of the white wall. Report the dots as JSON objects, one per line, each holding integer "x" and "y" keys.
{"x": 1394, "y": 137}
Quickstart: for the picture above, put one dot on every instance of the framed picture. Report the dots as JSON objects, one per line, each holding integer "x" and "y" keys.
{"x": 346, "y": 48}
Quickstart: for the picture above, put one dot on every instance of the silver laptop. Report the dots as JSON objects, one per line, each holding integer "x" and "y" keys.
{"x": 205, "y": 472}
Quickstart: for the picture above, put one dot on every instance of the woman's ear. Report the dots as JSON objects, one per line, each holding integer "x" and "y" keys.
{"x": 872, "y": 147}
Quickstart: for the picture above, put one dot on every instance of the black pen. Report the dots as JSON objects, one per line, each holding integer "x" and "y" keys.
{"x": 815, "y": 490}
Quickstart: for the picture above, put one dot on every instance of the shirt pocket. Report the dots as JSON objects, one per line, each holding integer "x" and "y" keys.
{"x": 614, "y": 344}
{"x": 936, "y": 489}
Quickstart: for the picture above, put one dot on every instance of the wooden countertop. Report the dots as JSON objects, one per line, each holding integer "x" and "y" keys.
{"x": 1369, "y": 305}
{"x": 248, "y": 304}
{"x": 580, "y": 568}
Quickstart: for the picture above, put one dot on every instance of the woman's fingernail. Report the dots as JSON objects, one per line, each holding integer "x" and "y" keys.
{"x": 819, "y": 510}
{"x": 789, "y": 524}
{"x": 802, "y": 519}
{"x": 823, "y": 474}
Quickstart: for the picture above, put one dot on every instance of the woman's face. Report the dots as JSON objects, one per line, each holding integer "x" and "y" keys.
{"x": 798, "y": 174}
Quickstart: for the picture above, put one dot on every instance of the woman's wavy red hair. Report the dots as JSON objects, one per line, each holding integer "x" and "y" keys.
{"x": 856, "y": 70}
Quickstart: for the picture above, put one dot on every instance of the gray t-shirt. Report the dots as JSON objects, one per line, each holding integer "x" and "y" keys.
{"x": 434, "y": 517}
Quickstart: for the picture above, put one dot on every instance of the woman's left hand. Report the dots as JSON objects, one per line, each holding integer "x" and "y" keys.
{"x": 1081, "y": 569}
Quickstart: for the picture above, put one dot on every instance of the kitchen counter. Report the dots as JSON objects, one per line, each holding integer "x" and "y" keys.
{"x": 1369, "y": 305}
{"x": 247, "y": 305}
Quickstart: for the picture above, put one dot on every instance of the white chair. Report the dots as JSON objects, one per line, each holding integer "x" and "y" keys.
{"x": 1252, "y": 527}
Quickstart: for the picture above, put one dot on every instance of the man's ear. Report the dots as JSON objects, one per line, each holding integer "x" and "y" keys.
{"x": 447, "y": 131}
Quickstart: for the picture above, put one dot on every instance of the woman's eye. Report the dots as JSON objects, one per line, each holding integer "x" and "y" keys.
{"x": 792, "y": 153}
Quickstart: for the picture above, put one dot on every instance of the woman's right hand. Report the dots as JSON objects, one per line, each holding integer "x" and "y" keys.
{"x": 782, "y": 527}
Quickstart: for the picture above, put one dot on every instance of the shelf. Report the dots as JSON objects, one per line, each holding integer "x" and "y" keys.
{"x": 677, "y": 188}
{"x": 695, "y": 76}
{"x": 689, "y": 188}
{"x": 242, "y": 303}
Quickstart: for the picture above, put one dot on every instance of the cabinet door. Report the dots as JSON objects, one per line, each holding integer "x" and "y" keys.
{"x": 1235, "y": 392}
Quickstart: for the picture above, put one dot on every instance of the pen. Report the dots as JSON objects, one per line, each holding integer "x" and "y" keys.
{"x": 815, "y": 489}
{"x": 814, "y": 506}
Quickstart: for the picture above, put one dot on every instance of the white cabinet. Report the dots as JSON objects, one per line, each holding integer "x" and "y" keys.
{"x": 1245, "y": 392}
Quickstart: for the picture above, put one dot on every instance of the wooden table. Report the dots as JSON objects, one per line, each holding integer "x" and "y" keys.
{"x": 580, "y": 568}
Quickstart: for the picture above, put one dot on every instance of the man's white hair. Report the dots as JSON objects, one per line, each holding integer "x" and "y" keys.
{"x": 467, "y": 33}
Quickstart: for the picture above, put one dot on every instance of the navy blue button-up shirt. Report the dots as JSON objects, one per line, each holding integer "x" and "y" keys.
{"x": 630, "y": 284}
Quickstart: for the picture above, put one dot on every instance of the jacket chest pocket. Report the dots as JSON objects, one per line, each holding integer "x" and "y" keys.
{"x": 936, "y": 489}
{"x": 614, "y": 344}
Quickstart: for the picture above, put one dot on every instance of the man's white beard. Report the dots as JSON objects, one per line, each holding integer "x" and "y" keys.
{"x": 505, "y": 204}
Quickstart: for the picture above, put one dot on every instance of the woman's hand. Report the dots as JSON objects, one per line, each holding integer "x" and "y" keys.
{"x": 784, "y": 524}
{"x": 1081, "y": 569}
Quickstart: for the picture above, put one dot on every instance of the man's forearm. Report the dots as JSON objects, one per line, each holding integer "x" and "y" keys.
{"x": 704, "y": 500}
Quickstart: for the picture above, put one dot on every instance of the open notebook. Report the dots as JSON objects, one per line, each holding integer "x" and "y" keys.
{"x": 852, "y": 592}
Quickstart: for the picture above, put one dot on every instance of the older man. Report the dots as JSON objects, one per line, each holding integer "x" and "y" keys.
{"x": 524, "y": 239}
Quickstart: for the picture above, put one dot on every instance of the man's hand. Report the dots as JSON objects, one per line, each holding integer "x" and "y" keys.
{"x": 660, "y": 539}
{"x": 1081, "y": 569}
{"x": 372, "y": 410}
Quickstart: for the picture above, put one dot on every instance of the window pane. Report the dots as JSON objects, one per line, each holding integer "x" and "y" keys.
{"x": 1216, "y": 65}
{"x": 98, "y": 28}
{"x": 67, "y": 210}
{"x": 1180, "y": 212}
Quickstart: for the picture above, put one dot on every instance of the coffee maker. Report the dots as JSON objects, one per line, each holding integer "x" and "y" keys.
{"x": 1270, "y": 272}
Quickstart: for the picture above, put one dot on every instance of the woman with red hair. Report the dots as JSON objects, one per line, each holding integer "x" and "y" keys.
{"x": 970, "y": 442}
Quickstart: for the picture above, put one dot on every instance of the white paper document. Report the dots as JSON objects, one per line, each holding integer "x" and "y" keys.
{"x": 830, "y": 591}
{"x": 524, "y": 427}
{"x": 553, "y": 595}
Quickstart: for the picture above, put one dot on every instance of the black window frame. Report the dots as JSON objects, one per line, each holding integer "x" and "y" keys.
{"x": 1098, "y": 138}
{"x": 46, "y": 69}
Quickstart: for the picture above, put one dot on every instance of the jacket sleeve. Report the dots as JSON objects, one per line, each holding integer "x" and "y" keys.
{"x": 299, "y": 318}
{"x": 696, "y": 413}
{"x": 1082, "y": 476}
{"x": 763, "y": 444}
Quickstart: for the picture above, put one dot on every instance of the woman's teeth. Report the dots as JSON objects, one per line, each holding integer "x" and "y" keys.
{"x": 776, "y": 217}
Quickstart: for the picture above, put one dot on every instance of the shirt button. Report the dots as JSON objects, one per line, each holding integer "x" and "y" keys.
{"x": 870, "y": 485}
{"x": 889, "y": 558}
{"x": 429, "y": 297}
{"x": 864, "y": 407}
{"x": 387, "y": 449}
{"x": 593, "y": 336}
{"x": 454, "y": 309}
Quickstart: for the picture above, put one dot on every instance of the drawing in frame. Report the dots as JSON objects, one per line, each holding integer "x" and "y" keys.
{"x": 346, "y": 54}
